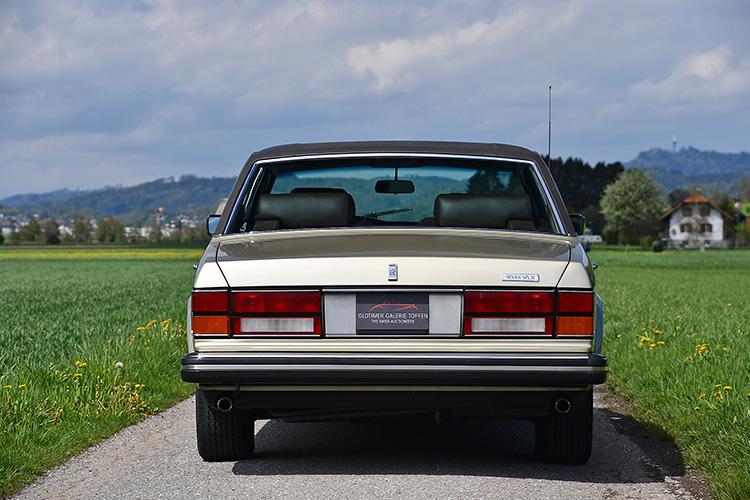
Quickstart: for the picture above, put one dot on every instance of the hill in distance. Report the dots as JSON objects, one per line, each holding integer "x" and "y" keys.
{"x": 197, "y": 197}
{"x": 689, "y": 168}
{"x": 190, "y": 196}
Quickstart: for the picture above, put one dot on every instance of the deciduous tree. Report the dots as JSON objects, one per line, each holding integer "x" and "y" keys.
{"x": 81, "y": 228}
{"x": 634, "y": 196}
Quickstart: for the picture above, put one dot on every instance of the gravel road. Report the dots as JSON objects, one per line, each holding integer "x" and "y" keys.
{"x": 472, "y": 459}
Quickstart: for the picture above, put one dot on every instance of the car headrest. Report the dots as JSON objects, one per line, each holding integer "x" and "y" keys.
{"x": 481, "y": 210}
{"x": 299, "y": 210}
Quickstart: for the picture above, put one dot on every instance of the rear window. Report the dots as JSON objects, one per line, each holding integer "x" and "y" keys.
{"x": 399, "y": 191}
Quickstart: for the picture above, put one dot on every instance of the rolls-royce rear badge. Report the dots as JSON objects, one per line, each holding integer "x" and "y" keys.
{"x": 392, "y": 272}
{"x": 521, "y": 277}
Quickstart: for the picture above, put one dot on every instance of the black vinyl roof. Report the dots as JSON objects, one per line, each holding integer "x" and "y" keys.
{"x": 416, "y": 147}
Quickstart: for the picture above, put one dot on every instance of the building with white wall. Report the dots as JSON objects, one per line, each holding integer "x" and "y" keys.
{"x": 695, "y": 222}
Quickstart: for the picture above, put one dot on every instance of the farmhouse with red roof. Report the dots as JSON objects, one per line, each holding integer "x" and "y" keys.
{"x": 696, "y": 221}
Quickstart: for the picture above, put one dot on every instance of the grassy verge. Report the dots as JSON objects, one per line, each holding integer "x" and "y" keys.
{"x": 677, "y": 333}
{"x": 90, "y": 341}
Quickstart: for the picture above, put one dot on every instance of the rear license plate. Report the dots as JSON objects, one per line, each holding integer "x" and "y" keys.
{"x": 393, "y": 313}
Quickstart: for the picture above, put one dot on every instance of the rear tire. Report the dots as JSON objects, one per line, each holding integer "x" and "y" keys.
{"x": 223, "y": 436}
{"x": 565, "y": 438}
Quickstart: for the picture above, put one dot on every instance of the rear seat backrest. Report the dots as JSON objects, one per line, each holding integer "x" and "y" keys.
{"x": 494, "y": 211}
{"x": 304, "y": 209}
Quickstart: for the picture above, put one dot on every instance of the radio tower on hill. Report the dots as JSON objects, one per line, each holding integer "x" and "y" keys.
{"x": 674, "y": 134}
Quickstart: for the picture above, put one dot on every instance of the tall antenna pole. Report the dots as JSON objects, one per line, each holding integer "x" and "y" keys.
{"x": 674, "y": 134}
{"x": 549, "y": 129}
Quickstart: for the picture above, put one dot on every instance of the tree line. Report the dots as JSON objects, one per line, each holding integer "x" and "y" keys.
{"x": 622, "y": 205}
{"x": 108, "y": 230}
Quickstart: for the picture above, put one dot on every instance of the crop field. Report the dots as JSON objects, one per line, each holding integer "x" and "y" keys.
{"x": 677, "y": 334}
{"x": 90, "y": 341}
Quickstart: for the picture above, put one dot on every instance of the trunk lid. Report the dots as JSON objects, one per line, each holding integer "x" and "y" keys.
{"x": 365, "y": 257}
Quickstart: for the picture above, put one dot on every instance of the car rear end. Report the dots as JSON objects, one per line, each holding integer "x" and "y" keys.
{"x": 451, "y": 313}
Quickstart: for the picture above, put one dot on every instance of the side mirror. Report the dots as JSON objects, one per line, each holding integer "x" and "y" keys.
{"x": 394, "y": 187}
{"x": 579, "y": 223}
{"x": 212, "y": 222}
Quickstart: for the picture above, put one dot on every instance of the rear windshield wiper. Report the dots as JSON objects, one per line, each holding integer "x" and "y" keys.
{"x": 375, "y": 215}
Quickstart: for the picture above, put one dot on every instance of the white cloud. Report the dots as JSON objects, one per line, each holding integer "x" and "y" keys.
{"x": 97, "y": 90}
{"x": 707, "y": 75}
{"x": 399, "y": 64}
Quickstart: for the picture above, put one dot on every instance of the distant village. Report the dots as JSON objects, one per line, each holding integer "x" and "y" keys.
{"x": 180, "y": 229}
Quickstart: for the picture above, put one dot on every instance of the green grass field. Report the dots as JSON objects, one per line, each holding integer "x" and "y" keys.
{"x": 90, "y": 341}
{"x": 677, "y": 334}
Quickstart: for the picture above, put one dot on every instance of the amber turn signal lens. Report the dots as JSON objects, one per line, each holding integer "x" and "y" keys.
{"x": 210, "y": 325}
{"x": 575, "y": 325}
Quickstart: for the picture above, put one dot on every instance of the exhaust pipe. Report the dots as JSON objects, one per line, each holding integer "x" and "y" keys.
{"x": 224, "y": 404}
{"x": 562, "y": 405}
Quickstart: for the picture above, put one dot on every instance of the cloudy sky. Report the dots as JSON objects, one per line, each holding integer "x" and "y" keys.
{"x": 97, "y": 93}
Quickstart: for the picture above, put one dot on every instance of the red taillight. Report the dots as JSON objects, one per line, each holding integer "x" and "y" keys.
{"x": 275, "y": 302}
{"x": 210, "y": 313}
{"x": 508, "y": 313}
{"x": 575, "y": 313}
{"x": 575, "y": 302}
{"x": 528, "y": 312}
{"x": 508, "y": 302}
{"x": 274, "y": 313}
{"x": 210, "y": 302}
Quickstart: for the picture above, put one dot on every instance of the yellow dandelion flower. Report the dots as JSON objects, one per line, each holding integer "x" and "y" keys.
{"x": 22, "y": 386}
{"x": 717, "y": 385}
{"x": 79, "y": 374}
{"x": 702, "y": 396}
{"x": 11, "y": 387}
{"x": 727, "y": 387}
{"x": 661, "y": 342}
{"x": 653, "y": 345}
